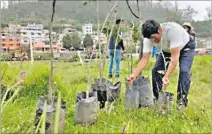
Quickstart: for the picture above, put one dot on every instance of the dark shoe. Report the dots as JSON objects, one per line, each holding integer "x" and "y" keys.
{"x": 110, "y": 76}
{"x": 181, "y": 105}
{"x": 117, "y": 75}
{"x": 155, "y": 100}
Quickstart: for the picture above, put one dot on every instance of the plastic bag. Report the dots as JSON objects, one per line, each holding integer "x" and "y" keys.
{"x": 141, "y": 86}
{"x": 50, "y": 114}
{"x": 86, "y": 108}
{"x": 106, "y": 91}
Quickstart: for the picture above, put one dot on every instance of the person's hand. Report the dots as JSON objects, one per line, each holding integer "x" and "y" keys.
{"x": 131, "y": 79}
{"x": 165, "y": 82}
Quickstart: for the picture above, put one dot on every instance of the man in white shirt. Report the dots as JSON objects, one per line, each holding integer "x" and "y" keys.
{"x": 176, "y": 46}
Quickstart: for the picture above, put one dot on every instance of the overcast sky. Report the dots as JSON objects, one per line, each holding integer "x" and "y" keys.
{"x": 199, "y": 6}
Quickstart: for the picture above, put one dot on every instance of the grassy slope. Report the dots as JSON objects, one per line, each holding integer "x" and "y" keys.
{"x": 72, "y": 78}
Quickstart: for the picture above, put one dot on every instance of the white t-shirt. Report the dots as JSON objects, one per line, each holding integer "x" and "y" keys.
{"x": 173, "y": 35}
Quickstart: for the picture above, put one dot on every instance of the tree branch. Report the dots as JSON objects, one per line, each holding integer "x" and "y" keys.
{"x": 131, "y": 10}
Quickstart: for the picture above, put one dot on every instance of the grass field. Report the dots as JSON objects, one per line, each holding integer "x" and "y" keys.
{"x": 18, "y": 115}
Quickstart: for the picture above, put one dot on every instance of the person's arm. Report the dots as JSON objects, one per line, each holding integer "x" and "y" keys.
{"x": 176, "y": 39}
{"x": 175, "y": 54}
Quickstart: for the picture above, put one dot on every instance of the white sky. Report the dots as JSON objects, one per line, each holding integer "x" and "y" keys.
{"x": 199, "y": 6}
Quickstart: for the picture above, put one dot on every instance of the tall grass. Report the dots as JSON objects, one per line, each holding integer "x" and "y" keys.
{"x": 18, "y": 115}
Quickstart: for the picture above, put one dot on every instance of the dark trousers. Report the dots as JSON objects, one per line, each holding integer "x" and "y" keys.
{"x": 185, "y": 63}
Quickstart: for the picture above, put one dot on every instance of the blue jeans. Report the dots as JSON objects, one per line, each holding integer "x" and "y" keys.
{"x": 117, "y": 59}
{"x": 185, "y": 63}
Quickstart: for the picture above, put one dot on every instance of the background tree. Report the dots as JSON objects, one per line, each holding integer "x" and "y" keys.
{"x": 188, "y": 13}
{"x": 67, "y": 41}
{"x": 75, "y": 41}
{"x": 174, "y": 16}
{"x": 88, "y": 41}
{"x": 208, "y": 9}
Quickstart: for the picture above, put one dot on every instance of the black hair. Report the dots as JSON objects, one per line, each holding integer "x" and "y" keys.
{"x": 150, "y": 27}
{"x": 189, "y": 28}
{"x": 118, "y": 21}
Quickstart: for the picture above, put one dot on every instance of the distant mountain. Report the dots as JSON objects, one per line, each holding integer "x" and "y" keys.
{"x": 75, "y": 10}
{"x": 75, "y": 13}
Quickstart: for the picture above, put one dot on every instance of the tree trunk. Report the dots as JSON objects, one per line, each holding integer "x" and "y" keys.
{"x": 0, "y": 72}
{"x": 98, "y": 42}
{"x": 107, "y": 35}
{"x": 89, "y": 65}
{"x": 50, "y": 91}
{"x": 31, "y": 49}
{"x": 141, "y": 37}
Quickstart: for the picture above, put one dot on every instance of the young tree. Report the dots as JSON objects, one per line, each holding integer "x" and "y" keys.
{"x": 75, "y": 41}
{"x": 50, "y": 90}
{"x": 67, "y": 41}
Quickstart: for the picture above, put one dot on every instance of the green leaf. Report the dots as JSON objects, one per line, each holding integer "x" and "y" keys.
{"x": 85, "y": 3}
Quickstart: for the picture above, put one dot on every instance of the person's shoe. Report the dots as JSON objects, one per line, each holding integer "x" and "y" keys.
{"x": 117, "y": 75}
{"x": 155, "y": 100}
{"x": 181, "y": 105}
{"x": 110, "y": 76}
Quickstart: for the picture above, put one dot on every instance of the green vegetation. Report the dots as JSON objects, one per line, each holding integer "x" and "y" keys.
{"x": 75, "y": 40}
{"x": 75, "y": 13}
{"x": 18, "y": 115}
{"x": 88, "y": 41}
{"x": 67, "y": 41}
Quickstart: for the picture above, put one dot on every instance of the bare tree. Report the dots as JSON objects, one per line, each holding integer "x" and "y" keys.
{"x": 50, "y": 91}
{"x": 105, "y": 21}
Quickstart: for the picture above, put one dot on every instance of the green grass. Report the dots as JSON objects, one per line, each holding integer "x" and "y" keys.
{"x": 18, "y": 116}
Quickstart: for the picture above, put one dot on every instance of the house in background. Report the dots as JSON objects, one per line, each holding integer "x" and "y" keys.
{"x": 87, "y": 29}
{"x": 10, "y": 40}
{"x": 203, "y": 42}
{"x": 46, "y": 35}
{"x": 33, "y": 30}
{"x": 9, "y": 44}
{"x": 69, "y": 31}
{"x": 42, "y": 47}
{"x": 102, "y": 38}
